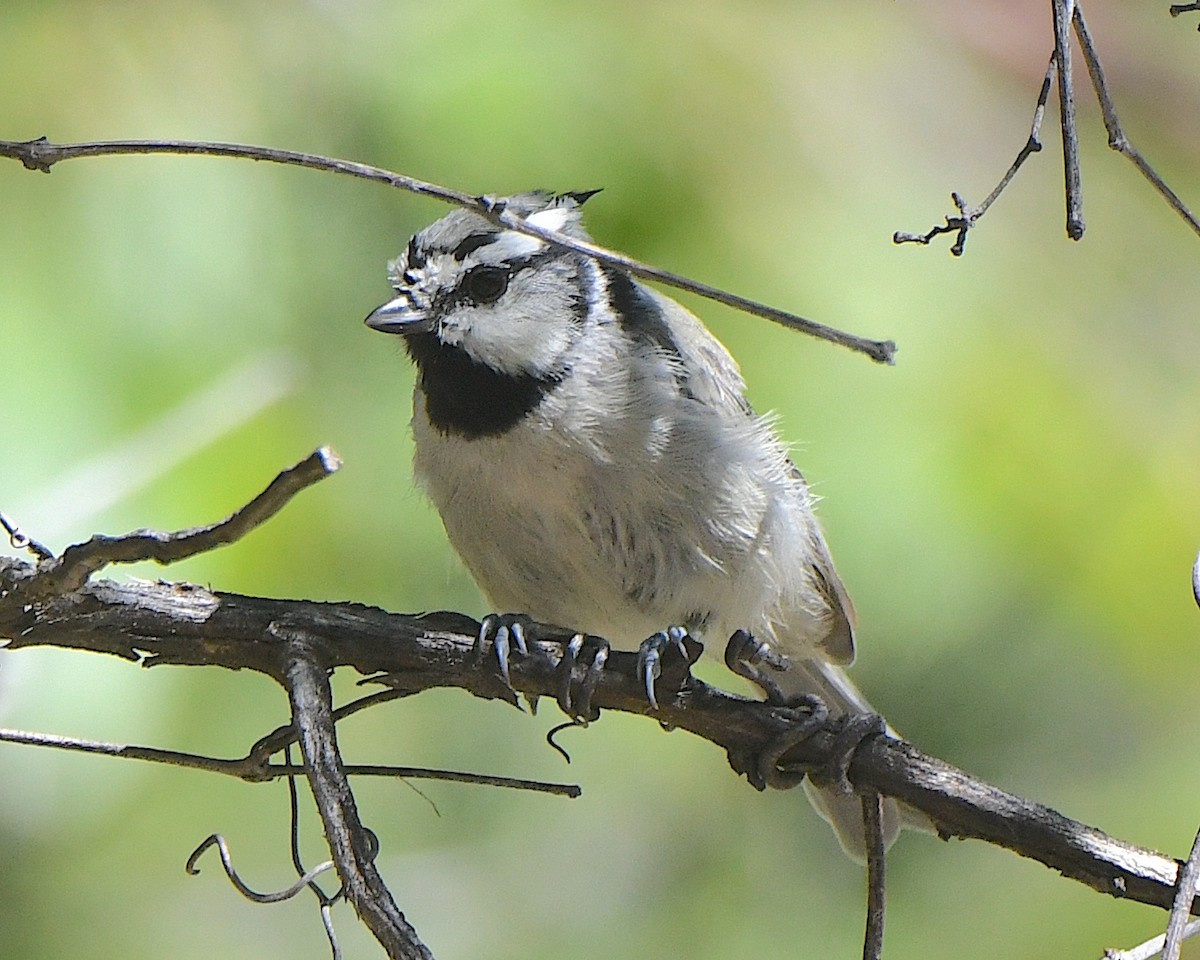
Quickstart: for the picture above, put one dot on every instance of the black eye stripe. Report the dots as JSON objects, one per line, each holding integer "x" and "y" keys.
{"x": 460, "y": 292}
{"x": 414, "y": 257}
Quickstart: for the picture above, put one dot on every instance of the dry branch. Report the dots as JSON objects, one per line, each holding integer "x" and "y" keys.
{"x": 182, "y": 624}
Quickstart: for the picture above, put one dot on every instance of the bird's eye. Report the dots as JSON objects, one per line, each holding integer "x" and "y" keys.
{"x": 486, "y": 284}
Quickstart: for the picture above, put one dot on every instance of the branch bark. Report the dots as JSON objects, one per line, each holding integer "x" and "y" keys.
{"x": 182, "y": 624}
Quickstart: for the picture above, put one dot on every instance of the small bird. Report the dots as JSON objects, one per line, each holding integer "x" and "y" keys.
{"x": 596, "y": 465}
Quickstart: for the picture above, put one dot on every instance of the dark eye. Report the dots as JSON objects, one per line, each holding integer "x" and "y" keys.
{"x": 486, "y": 284}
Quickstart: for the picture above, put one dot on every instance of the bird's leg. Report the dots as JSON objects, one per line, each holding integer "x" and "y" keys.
{"x": 650, "y": 657}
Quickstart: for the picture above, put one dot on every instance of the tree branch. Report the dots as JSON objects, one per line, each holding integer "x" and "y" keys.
{"x": 353, "y": 846}
{"x": 182, "y": 624}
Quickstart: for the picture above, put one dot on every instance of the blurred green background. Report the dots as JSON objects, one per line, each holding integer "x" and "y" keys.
{"x": 1013, "y": 505}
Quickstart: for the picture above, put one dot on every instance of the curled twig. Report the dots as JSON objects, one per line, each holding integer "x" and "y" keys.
{"x": 41, "y": 154}
{"x": 276, "y": 896}
{"x": 350, "y": 842}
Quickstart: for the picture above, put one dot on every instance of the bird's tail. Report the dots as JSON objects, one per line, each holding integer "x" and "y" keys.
{"x": 842, "y": 810}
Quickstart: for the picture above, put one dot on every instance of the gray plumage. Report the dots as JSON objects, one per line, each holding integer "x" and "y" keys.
{"x": 589, "y": 447}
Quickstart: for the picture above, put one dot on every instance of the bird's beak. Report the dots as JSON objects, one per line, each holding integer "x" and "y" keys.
{"x": 400, "y": 316}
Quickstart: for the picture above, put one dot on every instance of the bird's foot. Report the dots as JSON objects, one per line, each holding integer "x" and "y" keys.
{"x": 852, "y": 731}
{"x": 499, "y": 636}
{"x": 650, "y": 661}
{"x": 576, "y": 702}
{"x": 503, "y": 637}
{"x": 745, "y": 653}
{"x": 798, "y": 720}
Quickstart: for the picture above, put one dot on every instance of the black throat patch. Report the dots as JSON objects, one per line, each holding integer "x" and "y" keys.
{"x": 469, "y": 399}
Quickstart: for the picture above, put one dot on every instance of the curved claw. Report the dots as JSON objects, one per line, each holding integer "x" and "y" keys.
{"x": 566, "y": 669}
{"x": 745, "y": 652}
{"x": 580, "y": 708}
{"x": 504, "y": 633}
{"x": 500, "y": 646}
{"x": 590, "y": 679}
{"x": 650, "y": 657}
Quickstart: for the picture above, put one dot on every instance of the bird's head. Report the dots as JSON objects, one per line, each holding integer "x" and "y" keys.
{"x": 508, "y": 301}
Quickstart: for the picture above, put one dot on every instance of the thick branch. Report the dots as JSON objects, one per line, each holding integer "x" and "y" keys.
{"x": 312, "y": 713}
{"x": 156, "y": 623}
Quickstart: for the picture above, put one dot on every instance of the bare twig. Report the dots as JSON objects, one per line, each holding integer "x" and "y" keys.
{"x": 41, "y": 155}
{"x": 70, "y": 571}
{"x": 325, "y": 900}
{"x": 1066, "y": 14}
{"x": 275, "y": 896}
{"x": 969, "y": 216}
{"x": 1116, "y": 135}
{"x": 1177, "y": 8}
{"x": 19, "y": 540}
{"x": 1181, "y": 909}
{"x": 872, "y": 806}
{"x": 254, "y": 767}
{"x": 1063, "y": 11}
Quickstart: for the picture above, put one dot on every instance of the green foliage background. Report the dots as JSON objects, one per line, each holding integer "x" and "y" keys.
{"x": 1013, "y": 505}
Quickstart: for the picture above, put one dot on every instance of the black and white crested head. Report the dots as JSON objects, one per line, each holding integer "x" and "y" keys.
{"x": 508, "y": 301}
{"x": 489, "y": 315}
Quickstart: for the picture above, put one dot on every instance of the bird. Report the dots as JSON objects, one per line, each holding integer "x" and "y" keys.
{"x": 596, "y": 465}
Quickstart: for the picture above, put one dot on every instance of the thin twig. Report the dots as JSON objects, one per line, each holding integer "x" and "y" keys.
{"x": 1063, "y": 11}
{"x": 227, "y": 862}
{"x": 1181, "y": 909}
{"x": 1177, "y": 8}
{"x": 254, "y": 768}
{"x": 19, "y": 540}
{"x": 41, "y": 155}
{"x": 968, "y": 216}
{"x": 78, "y": 562}
{"x": 1032, "y": 145}
{"x": 325, "y": 901}
{"x": 872, "y": 807}
{"x": 1116, "y": 135}
{"x": 1152, "y": 947}
{"x": 248, "y": 768}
